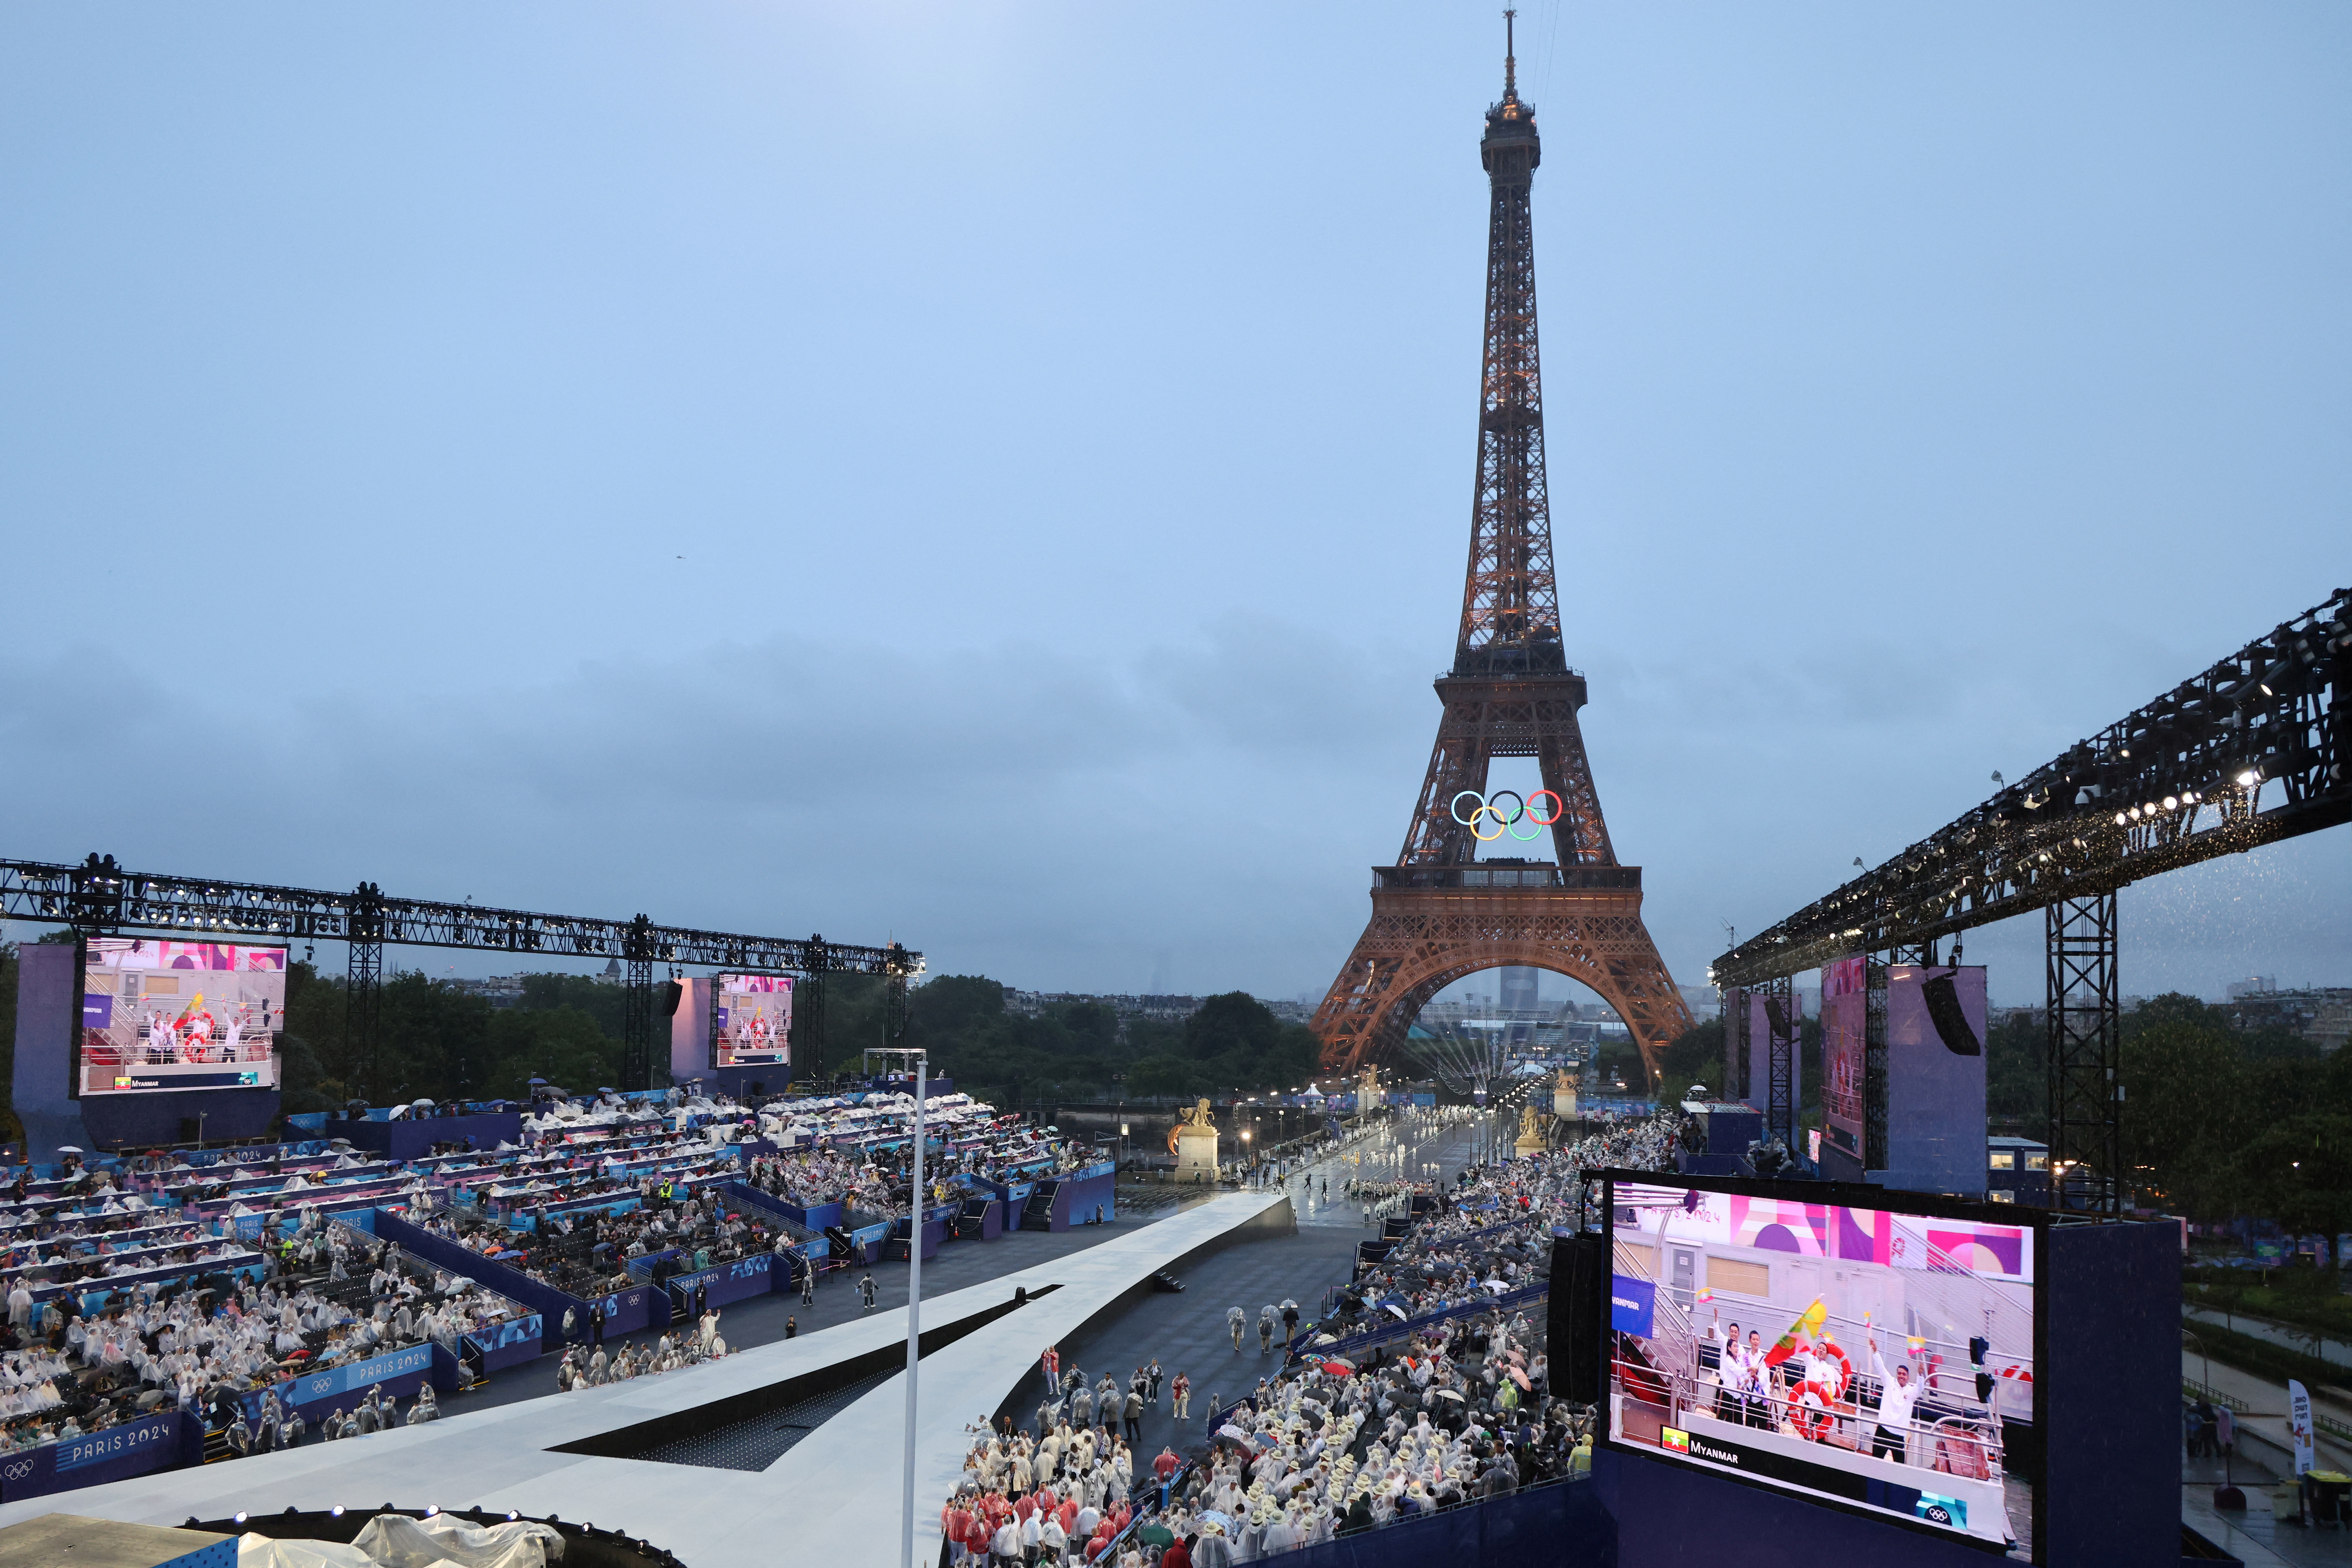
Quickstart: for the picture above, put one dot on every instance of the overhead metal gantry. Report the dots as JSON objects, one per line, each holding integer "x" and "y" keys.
{"x": 2250, "y": 751}
{"x": 99, "y": 898}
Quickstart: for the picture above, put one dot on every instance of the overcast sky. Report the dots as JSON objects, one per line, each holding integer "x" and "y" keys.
{"x": 998, "y": 476}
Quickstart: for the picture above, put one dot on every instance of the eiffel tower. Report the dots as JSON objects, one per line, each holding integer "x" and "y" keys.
{"x": 1441, "y": 912}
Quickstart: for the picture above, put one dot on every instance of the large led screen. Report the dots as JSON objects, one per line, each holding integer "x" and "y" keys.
{"x": 752, "y": 1025}
{"x": 1846, "y": 1034}
{"x": 1879, "y": 1359}
{"x": 159, "y": 1015}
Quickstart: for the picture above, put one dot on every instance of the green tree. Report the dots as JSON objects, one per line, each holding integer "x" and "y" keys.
{"x": 1695, "y": 1056}
{"x": 2298, "y": 1171}
{"x": 2017, "y": 1075}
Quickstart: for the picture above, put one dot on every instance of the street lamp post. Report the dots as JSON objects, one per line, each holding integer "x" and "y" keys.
{"x": 914, "y": 1292}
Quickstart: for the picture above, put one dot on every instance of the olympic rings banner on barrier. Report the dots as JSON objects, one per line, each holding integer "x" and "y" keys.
{"x": 137, "y": 1448}
{"x": 1486, "y": 810}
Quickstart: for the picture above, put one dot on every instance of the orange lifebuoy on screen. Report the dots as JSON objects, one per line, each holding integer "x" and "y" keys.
{"x": 1808, "y": 1409}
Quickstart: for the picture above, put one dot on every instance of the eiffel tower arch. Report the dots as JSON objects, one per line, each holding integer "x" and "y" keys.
{"x": 1441, "y": 912}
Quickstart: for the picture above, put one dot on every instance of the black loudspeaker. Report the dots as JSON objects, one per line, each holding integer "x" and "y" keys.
{"x": 1579, "y": 1264}
{"x": 1943, "y": 997}
{"x": 671, "y": 993}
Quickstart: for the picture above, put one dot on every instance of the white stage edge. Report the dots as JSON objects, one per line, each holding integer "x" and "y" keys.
{"x": 835, "y": 1496}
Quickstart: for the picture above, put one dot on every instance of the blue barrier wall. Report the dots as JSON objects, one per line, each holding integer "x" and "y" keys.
{"x": 398, "y": 1373}
{"x": 723, "y": 1282}
{"x": 1085, "y": 1192}
{"x": 510, "y": 1343}
{"x": 140, "y": 1447}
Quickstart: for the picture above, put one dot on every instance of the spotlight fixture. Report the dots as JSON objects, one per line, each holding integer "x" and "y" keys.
{"x": 2171, "y": 803}
{"x": 2249, "y": 779}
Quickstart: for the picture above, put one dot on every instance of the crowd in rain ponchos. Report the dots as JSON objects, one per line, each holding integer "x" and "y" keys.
{"x": 1491, "y": 1232}
{"x": 593, "y": 1367}
{"x": 1058, "y": 1493}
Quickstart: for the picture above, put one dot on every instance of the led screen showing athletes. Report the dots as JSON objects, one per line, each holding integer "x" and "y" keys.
{"x": 753, "y": 1024}
{"x": 1845, "y": 1032}
{"x": 1879, "y": 1359}
{"x": 160, "y": 1015}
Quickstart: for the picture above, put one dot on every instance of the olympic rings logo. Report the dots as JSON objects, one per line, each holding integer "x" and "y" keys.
{"x": 1507, "y": 819}
{"x": 19, "y": 1471}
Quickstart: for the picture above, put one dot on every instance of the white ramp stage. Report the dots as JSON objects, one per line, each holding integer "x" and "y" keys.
{"x": 832, "y": 1499}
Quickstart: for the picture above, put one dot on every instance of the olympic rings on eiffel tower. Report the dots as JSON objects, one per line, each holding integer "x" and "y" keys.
{"x": 1507, "y": 819}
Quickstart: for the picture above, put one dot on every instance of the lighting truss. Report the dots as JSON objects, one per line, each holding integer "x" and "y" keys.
{"x": 2250, "y": 751}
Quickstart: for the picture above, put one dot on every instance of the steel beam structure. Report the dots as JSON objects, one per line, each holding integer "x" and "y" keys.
{"x": 99, "y": 897}
{"x": 2085, "y": 1047}
{"x": 2252, "y": 751}
{"x": 1780, "y": 1061}
{"x": 1735, "y": 1024}
{"x": 637, "y": 1006}
{"x": 808, "y": 1014}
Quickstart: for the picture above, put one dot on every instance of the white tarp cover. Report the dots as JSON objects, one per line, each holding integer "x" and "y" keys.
{"x": 396, "y": 1541}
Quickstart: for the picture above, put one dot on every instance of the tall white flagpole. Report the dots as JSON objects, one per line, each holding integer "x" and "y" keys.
{"x": 914, "y": 1310}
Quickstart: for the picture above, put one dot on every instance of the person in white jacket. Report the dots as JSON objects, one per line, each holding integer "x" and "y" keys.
{"x": 1896, "y": 1396}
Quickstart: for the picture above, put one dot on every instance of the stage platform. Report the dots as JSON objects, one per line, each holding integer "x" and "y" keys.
{"x": 835, "y": 1498}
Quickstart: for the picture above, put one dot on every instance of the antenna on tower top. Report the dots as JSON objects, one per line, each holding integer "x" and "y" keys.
{"x": 1510, "y": 54}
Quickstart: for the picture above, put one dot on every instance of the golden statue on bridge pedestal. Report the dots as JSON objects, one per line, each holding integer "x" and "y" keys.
{"x": 1531, "y": 1140}
{"x": 1193, "y": 1142}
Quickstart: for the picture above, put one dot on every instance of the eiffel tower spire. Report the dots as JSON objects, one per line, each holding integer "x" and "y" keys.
{"x": 1510, "y": 603}
{"x": 1441, "y": 912}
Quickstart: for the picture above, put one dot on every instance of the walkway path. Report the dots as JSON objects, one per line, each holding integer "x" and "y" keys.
{"x": 2336, "y": 1353}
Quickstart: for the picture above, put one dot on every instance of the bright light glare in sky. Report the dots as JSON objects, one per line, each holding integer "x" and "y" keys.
{"x": 999, "y": 476}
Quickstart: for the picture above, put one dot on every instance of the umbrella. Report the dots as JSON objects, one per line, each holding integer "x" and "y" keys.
{"x": 1156, "y": 1535}
{"x": 1288, "y": 1303}
{"x": 1393, "y": 1306}
{"x": 1453, "y": 1394}
{"x": 68, "y": 1149}
{"x": 1338, "y": 1369}
{"x": 1495, "y": 1285}
{"x": 1217, "y": 1517}
{"x": 1235, "y": 1433}
{"x": 1519, "y": 1377}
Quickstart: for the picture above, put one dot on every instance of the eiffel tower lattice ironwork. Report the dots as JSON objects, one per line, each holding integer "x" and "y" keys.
{"x": 1441, "y": 912}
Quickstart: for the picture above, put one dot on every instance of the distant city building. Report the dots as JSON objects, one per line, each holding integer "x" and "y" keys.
{"x": 1519, "y": 990}
{"x": 499, "y": 990}
{"x": 1167, "y": 1009}
{"x": 2252, "y": 983}
{"x": 2017, "y": 1171}
{"x": 2320, "y": 1014}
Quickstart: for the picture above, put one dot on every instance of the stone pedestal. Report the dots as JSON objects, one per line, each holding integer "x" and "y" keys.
{"x": 1196, "y": 1153}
